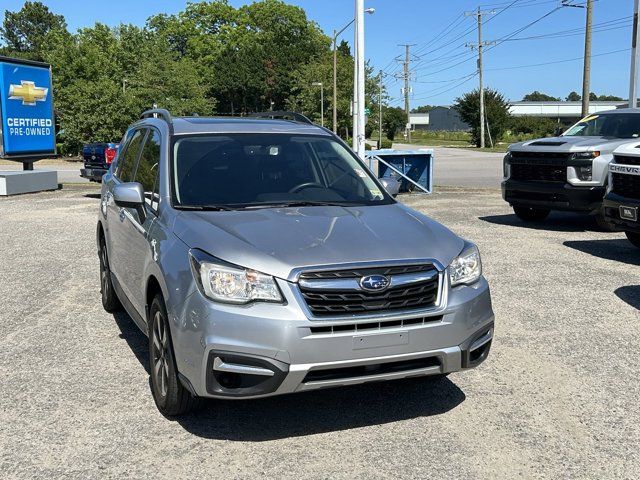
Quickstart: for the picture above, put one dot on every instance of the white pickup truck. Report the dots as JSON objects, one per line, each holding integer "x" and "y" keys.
{"x": 569, "y": 172}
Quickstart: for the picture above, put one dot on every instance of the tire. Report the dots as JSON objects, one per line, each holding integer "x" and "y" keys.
{"x": 603, "y": 224}
{"x": 530, "y": 214}
{"x": 171, "y": 398}
{"x": 110, "y": 301}
{"x": 634, "y": 238}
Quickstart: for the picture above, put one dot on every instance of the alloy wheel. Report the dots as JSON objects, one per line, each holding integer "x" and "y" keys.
{"x": 161, "y": 354}
{"x": 104, "y": 271}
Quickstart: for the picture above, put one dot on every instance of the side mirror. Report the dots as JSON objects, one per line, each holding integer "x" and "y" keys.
{"x": 391, "y": 185}
{"x": 130, "y": 195}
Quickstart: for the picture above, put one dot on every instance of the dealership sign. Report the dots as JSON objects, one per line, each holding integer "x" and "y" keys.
{"x": 26, "y": 109}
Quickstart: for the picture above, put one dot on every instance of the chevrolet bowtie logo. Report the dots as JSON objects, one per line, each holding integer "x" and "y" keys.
{"x": 27, "y": 92}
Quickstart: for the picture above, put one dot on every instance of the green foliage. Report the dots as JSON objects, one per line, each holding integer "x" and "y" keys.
{"x": 393, "y": 120}
{"x": 532, "y": 127}
{"x": 386, "y": 143}
{"x": 209, "y": 58}
{"x": 537, "y": 96}
{"x": 574, "y": 97}
{"x": 496, "y": 111}
{"x": 609, "y": 98}
{"x": 423, "y": 109}
{"x": 23, "y": 32}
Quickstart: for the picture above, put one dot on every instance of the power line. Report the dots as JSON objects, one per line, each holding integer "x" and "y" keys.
{"x": 515, "y": 67}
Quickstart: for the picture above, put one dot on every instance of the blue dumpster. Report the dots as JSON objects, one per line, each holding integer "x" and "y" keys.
{"x": 416, "y": 165}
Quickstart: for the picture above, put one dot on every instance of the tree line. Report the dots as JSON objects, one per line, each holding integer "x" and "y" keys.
{"x": 209, "y": 59}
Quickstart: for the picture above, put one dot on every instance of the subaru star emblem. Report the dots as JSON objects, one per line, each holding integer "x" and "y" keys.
{"x": 374, "y": 283}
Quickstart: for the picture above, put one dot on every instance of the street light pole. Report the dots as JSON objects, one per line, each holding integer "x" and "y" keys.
{"x": 361, "y": 76}
{"x": 335, "y": 81}
{"x": 319, "y": 84}
{"x": 336, "y": 34}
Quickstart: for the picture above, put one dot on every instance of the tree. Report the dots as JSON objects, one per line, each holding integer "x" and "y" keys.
{"x": 423, "y": 109}
{"x": 496, "y": 111}
{"x": 532, "y": 126}
{"x": 537, "y": 96}
{"x": 574, "y": 97}
{"x": 610, "y": 98}
{"x": 394, "y": 119}
{"x": 23, "y": 32}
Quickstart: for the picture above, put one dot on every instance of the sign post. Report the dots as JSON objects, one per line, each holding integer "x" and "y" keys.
{"x": 27, "y": 127}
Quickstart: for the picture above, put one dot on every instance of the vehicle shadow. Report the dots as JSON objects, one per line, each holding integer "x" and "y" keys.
{"x": 92, "y": 195}
{"x": 555, "y": 222}
{"x": 322, "y": 411}
{"x": 137, "y": 341}
{"x": 619, "y": 250}
{"x": 629, "y": 294}
{"x": 308, "y": 413}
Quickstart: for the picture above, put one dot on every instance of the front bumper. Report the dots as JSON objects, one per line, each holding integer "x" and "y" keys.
{"x": 553, "y": 195}
{"x": 93, "y": 174}
{"x": 612, "y": 204}
{"x": 266, "y": 349}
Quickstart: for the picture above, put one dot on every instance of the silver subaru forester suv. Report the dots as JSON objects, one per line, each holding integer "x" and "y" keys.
{"x": 261, "y": 257}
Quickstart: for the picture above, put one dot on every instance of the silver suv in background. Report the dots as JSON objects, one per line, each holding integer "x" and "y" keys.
{"x": 568, "y": 172}
{"x": 257, "y": 256}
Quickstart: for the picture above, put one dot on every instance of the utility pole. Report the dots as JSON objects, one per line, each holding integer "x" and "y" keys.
{"x": 360, "y": 78}
{"x": 480, "y": 46}
{"x": 380, "y": 111}
{"x": 586, "y": 77}
{"x": 335, "y": 82}
{"x": 406, "y": 89}
{"x": 633, "y": 87}
{"x": 406, "y": 76}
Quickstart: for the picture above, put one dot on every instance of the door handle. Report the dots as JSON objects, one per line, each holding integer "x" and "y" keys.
{"x": 122, "y": 215}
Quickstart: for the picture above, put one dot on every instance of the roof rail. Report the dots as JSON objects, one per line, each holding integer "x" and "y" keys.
{"x": 282, "y": 115}
{"x": 158, "y": 112}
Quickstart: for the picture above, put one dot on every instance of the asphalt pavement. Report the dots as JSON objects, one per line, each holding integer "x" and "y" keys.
{"x": 68, "y": 172}
{"x": 463, "y": 167}
{"x": 557, "y": 398}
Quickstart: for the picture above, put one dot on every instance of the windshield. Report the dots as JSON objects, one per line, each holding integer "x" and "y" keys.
{"x": 242, "y": 170}
{"x": 614, "y": 125}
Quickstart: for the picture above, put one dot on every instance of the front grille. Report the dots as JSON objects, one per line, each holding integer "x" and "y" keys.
{"x": 538, "y": 173}
{"x": 626, "y": 185}
{"x": 541, "y": 158}
{"x": 375, "y": 326}
{"x": 361, "y": 272}
{"x": 625, "y": 160}
{"x": 416, "y": 295}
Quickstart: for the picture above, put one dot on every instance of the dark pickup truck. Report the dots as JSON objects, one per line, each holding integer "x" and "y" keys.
{"x": 97, "y": 159}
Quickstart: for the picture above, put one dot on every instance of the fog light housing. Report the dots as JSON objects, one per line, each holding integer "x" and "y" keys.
{"x": 584, "y": 173}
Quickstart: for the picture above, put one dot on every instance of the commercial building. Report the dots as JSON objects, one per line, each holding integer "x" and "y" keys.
{"x": 445, "y": 118}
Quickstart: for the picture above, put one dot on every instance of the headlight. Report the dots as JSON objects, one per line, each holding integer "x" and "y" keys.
{"x": 230, "y": 284}
{"x": 584, "y": 173}
{"x": 506, "y": 167}
{"x": 585, "y": 155}
{"x": 466, "y": 268}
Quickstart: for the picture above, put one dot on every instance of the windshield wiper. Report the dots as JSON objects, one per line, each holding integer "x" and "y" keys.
{"x": 205, "y": 208}
{"x": 301, "y": 203}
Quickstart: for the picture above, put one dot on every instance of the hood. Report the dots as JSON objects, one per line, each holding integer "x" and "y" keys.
{"x": 571, "y": 144}
{"x": 277, "y": 240}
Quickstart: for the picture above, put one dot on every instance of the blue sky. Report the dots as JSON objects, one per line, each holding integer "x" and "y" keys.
{"x": 444, "y": 69}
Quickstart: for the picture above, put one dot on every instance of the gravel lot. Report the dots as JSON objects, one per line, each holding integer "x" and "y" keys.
{"x": 557, "y": 398}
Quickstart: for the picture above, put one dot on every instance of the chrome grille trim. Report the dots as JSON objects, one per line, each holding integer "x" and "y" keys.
{"x": 438, "y": 307}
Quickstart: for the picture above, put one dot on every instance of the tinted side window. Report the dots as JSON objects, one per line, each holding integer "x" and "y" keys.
{"x": 148, "y": 167}
{"x": 127, "y": 161}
